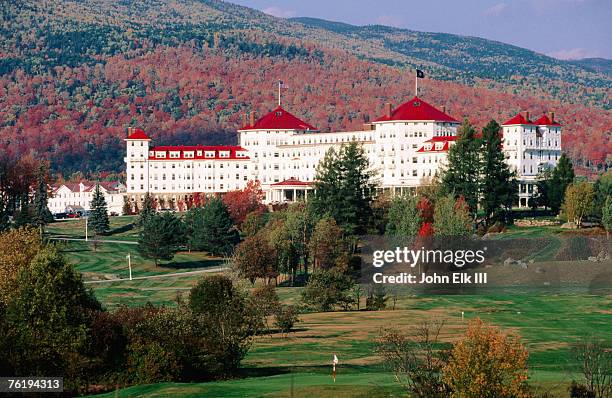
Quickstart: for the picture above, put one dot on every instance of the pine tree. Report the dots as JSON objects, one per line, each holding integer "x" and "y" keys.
{"x": 41, "y": 215}
{"x": 211, "y": 228}
{"x": 461, "y": 174}
{"x": 5, "y": 223}
{"x": 404, "y": 217}
{"x": 498, "y": 185}
{"x": 160, "y": 237}
{"x": 98, "y": 219}
{"x": 560, "y": 178}
{"x": 24, "y": 215}
{"x": 344, "y": 189}
{"x": 147, "y": 209}
{"x": 606, "y": 215}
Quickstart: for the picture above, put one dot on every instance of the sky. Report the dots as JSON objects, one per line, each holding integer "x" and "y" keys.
{"x": 565, "y": 29}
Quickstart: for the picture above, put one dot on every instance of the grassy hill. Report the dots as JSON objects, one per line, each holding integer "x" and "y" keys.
{"x": 75, "y": 74}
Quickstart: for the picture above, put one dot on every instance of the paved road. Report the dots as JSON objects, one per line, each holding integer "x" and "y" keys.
{"x": 172, "y": 275}
{"x": 127, "y": 242}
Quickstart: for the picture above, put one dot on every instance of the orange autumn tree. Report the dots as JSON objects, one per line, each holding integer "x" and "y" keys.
{"x": 487, "y": 363}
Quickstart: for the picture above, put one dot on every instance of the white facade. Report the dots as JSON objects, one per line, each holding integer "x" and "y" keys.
{"x": 530, "y": 147}
{"x": 78, "y": 196}
{"x": 406, "y": 148}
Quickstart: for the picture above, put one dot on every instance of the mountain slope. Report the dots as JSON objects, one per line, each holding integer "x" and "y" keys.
{"x": 600, "y": 65}
{"x": 75, "y": 74}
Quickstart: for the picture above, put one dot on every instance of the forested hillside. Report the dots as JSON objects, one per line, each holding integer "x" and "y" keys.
{"x": 75, "y": 75}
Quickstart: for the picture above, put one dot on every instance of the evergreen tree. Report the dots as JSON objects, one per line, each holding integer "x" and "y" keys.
{"x": 344, "y": 189}
{"x": 606, "y": 215}
{"x": 562, "y": 176}
{"x": 148, "y": 210}
{"x": 461, "y": 175}
{"x": 98, "y": 219}
{"x": 603, "y": 190}
{"x": 160, "y": 237}
{"x": 24, "y": 215}
{"x": 211, "y": 228}
{"x": 498, "y": 185}
{"x": 404, "y": 217}
{"x": 4, "y": 216}
{"x": 451, "y": 217}
{"x": 41, "y": 215}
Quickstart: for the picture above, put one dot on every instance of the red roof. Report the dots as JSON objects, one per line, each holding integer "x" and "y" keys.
{"x": 138, "y": 134}
{"x": 233, "y": 152}
{"x": 417, "y": 109}
{"x": 518, "y": 119}
{"x": 293, "y": 183}
{"x": 279, "y": 119}
{"x": 545, "y": 121}
{"x": 446, "y": 144}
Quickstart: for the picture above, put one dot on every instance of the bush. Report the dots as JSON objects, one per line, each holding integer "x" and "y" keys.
{"x": 285, "y": 318}
{"x": 487, "y": 363}
{"x": 263, "y": 303}
{"x": 224, "y": 320}
{"x": 327, "y": 289}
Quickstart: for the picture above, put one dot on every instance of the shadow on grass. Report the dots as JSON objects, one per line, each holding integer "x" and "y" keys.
{"x": 121, "y": 229}
{"x": 321, "y": 369}
{"x": 192, "y": 264}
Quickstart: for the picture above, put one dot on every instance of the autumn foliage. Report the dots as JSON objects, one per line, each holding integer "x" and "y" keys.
{"x": 487, "y": 363}
{"x": 242, "y": 202}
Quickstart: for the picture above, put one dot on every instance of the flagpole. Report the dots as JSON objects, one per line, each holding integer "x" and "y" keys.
{"x": 279, "y": 93}
{"x": 416, "y": 85}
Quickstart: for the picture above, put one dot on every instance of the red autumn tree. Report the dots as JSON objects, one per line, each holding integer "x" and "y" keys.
{"x": 426, "y": 210}
{"x": 242, "y": 202}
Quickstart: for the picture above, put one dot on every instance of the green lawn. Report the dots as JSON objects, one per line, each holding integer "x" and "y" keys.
{"x": 548, "y": 326}
{"x": 299, "y": 364}
{"x": 122, "y": 228}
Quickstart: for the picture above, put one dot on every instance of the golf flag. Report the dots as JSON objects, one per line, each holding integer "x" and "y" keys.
{"x": 334, "y": 363}
{"x": 282, "y": 84}
{"x": 420, "y": 74}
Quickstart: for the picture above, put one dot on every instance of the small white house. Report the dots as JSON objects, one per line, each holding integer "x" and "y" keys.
{"x": 74, "y": 195}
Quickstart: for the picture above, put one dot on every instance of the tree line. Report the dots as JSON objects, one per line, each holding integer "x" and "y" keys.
{"x": 52, "y": 324}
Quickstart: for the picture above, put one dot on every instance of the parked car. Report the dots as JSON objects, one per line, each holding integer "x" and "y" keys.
{"x": 60, "y": 216}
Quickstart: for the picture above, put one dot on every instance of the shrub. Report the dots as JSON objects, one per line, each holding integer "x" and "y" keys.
{"x": 487, "y": 363}
{"x": 327, "y": 289}
{"x": 285, "y": 318}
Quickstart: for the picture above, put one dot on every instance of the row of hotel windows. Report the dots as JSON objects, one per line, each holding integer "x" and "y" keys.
{"x": 534, "y": 129}
{"x": 173, "y": 177}
{"x": 192, "y": 154}
{"x": 207, "y": 165}
{"x": 174, "y": 187}
{"x": 338, "y": 140}
{"x": 507, "y": 142}
{"x": 415, "y": 173}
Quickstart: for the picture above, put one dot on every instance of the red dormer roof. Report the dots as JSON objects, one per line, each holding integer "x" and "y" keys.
{"x": 518, "y": 119}
{"x": 417, "y": 109}
{"x": 292, "y": 182}
{"x": 545, "y": 121}
{"x": 279, "y": 119}
{"x": 446, "y": 142}
{"x": 137, "y": 134}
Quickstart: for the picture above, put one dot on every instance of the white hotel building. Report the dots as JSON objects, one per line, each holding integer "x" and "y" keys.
{"x": 406, "y": 148}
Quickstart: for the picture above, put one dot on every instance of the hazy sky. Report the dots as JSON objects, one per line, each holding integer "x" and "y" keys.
{"x": 566, "y": 29}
